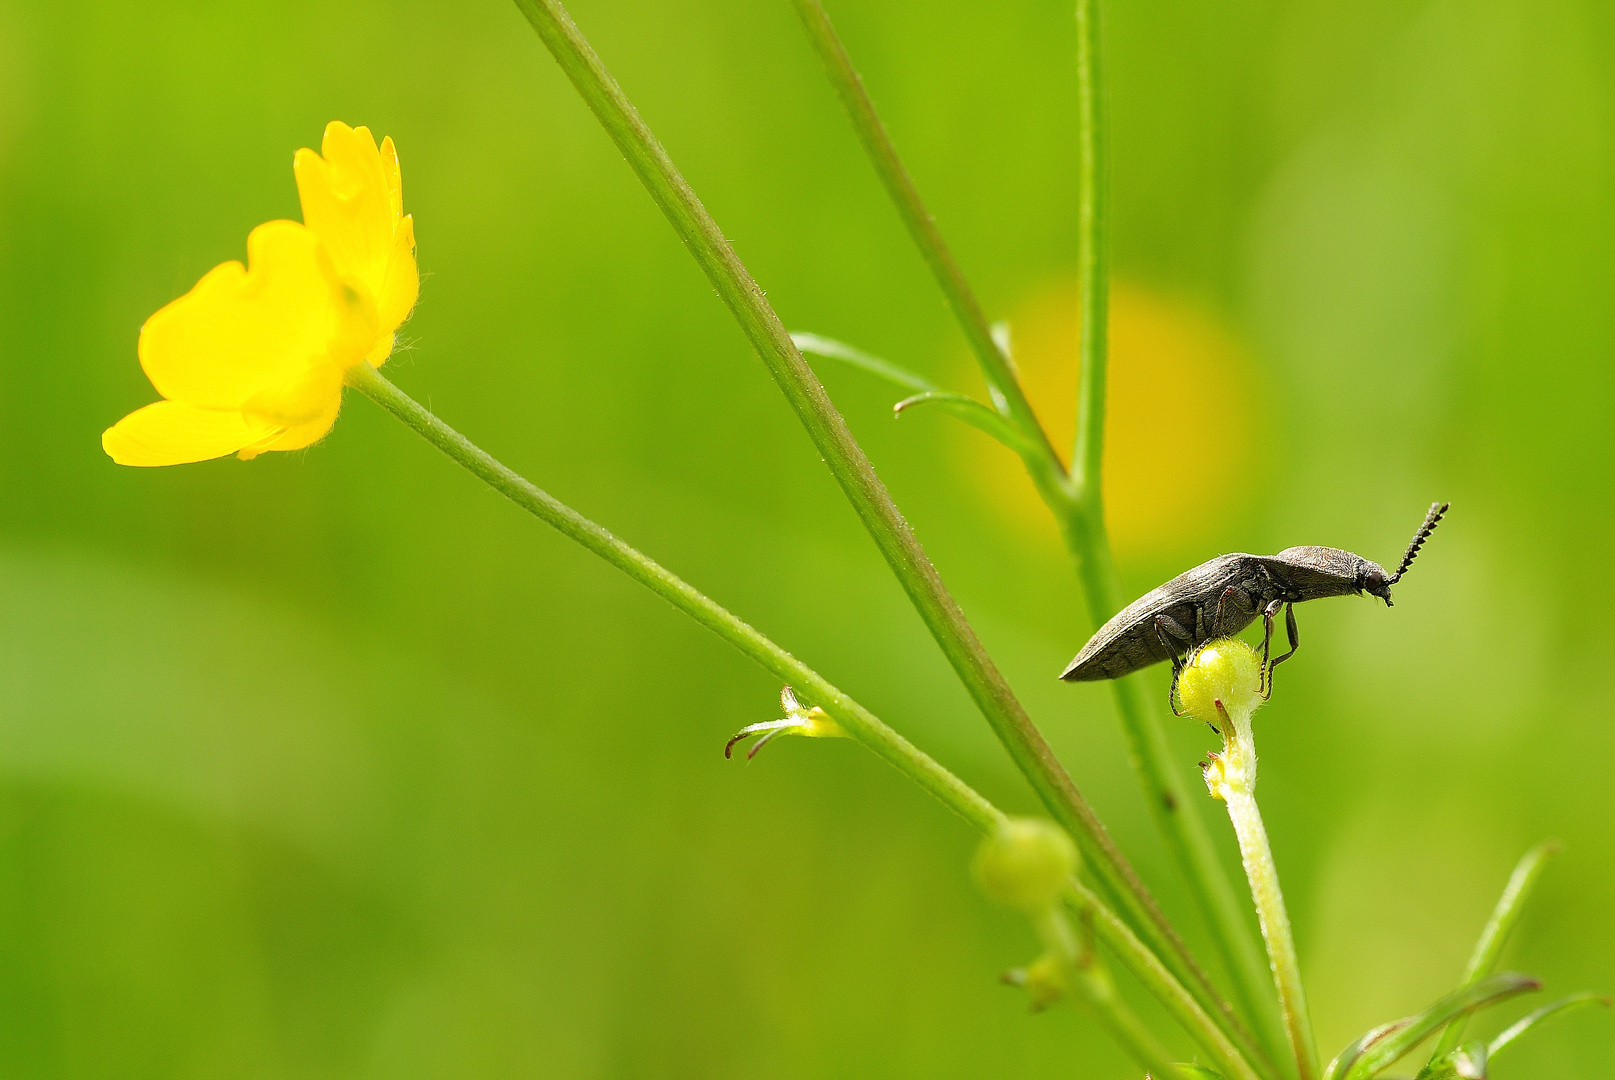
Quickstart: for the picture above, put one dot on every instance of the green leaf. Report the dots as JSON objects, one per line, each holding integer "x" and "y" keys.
{"x": 1385, "y": 1045}
{"x": 1191, "y": 1072}
{"x": 830, "y": 349}
{"x": 1532, "y": 1019}
{"x": 973, "y": 413}
{"x": 1495, "y": 935}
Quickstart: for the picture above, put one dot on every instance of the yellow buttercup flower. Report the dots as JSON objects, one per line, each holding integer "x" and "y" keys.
{"x": 353, "y": 199}
{"x": 253, "y": 357}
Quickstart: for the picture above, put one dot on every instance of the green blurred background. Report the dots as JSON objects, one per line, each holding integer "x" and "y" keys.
{"x": 332, "y": 764}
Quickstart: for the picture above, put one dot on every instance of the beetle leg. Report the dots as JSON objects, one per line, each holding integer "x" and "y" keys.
{"x": 1294, "y": 634}
{"x": 1271, "y": 610}
{"x": 1165, "y": 624}
{"x": 1216, "y": 628}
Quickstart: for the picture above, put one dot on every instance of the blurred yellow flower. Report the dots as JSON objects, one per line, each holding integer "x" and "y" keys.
{"x": 252, "y": 358}
{"x": 1179, "y": 382}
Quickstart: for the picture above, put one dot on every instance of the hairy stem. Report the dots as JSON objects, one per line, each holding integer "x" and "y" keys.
{"x": 857, "y": 721}
{"x": 1232, "y": 778}
{"x": 841, "y": 453}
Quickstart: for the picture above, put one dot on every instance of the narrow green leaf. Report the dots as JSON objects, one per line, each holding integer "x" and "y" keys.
{"x": 971, "y": 412}
{"x": 1495, "y": 935}
{"x": 1384, "y": 1046}
{"x": 831, "y": 349}
{"x": 1532, "y": 1019}
{"x": 1190, "y": 1072}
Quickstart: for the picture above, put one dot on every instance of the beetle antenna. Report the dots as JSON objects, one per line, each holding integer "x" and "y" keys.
{"x": 1431, "y": 520}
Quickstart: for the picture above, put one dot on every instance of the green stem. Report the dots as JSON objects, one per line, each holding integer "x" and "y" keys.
{"x": 1233, "y": 779}
{"x": 1087, "y": 971}
{"x": 1147, "y": 967}
{"x": 841, "y": 453}
{"x": 921, "y": 225}
{"x": 1084, "y": 529}
{"x": 854, "y": 719}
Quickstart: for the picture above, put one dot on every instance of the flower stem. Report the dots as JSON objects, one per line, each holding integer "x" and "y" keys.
{"x": 1232, "y": 1063}
{"x": 1083, "y": 526}
{"x": 1232, "y": 778}
{"x": 857, "y": 721}
{"x": 1093, "y": 983}
{"x": 842, "y": 454}
{"x": 853, "y": 717}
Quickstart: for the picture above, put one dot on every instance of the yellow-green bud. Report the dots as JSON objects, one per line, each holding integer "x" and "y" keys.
{"x": 1226, "y": 670}
{"x": 1025, "y": 864}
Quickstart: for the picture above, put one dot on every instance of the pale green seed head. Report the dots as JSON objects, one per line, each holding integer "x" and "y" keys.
{"x": 1025, "y": 864}
{"x": 1226, "y": 670}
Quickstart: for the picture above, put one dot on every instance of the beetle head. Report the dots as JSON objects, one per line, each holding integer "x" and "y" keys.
{"x": 1372, "y": 579}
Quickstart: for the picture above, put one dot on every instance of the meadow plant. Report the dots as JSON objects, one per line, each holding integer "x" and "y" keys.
{"x": 255, "y": 358}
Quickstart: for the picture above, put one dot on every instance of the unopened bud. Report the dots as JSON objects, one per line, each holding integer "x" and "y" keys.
{"x": 1225, "y": 670}
{"x": 1025, "y": 864}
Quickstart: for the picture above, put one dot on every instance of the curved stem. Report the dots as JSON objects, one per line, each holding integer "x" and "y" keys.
{"x": 857, "y": 721}
{"x": 845, "y": 459}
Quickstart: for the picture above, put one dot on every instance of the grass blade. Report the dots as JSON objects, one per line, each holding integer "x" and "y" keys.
{"x": 1532, "y": 1019}
{"x": 971, "y": 412}
{"x": 831, "y": 349}
{"x": 1386, "y": 1045}
{"x": 1495, "y": 935}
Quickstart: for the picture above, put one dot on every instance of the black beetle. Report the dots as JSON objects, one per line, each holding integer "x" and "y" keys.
{"x": 1223, "y": 596}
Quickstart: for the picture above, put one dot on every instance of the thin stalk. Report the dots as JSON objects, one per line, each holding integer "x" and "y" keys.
{"x": 1093, "y": 983}
{"x": 1074, "y": 499}
{"x": 854, "y": 719}
{"x": 1147, "y": 967}
{"x": 849, "y": 86}
{"x": 842, "y": 454}
{"x": 1089, "y": 542}
{"x": 1232, "y": 778}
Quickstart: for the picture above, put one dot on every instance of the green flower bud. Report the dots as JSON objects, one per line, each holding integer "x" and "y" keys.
{"x": 1025, "y": 864}
{"x": 1225, "y": 670}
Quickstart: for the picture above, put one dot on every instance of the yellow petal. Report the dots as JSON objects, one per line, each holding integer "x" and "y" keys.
{"x": 301, "y": 433}
{"x": 352, "y": 197}
{"x": 174, "y": 433}
{"x": 241, "y": 333}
